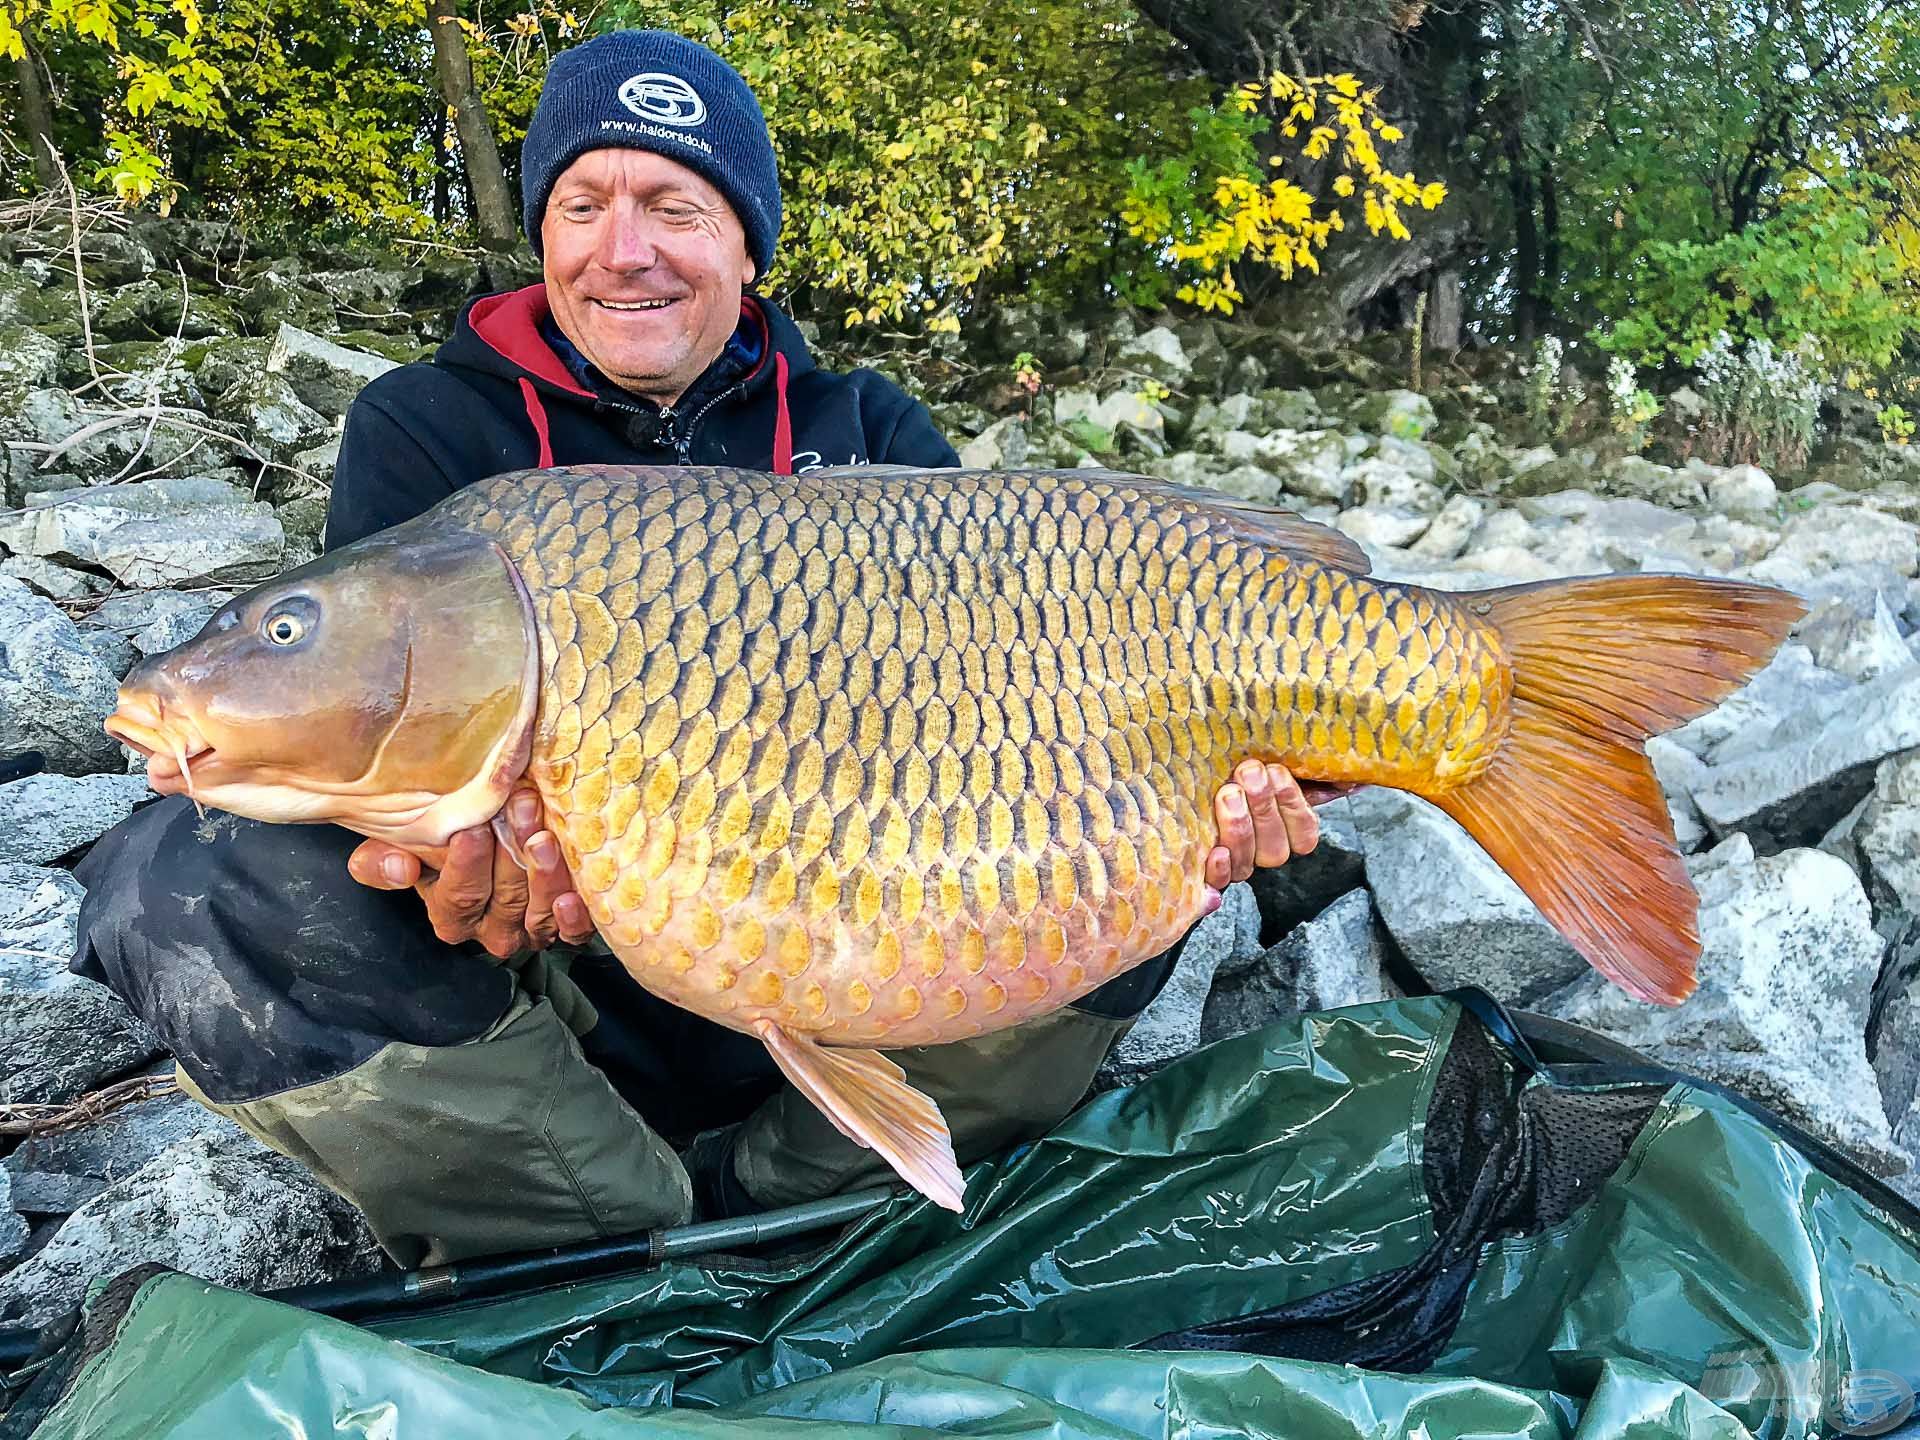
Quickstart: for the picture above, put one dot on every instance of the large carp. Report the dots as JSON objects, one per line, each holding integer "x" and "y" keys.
{"x": 863, "y": 759}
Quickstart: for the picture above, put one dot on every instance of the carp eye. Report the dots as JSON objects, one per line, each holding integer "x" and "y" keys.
{"x": 284, "y": 628}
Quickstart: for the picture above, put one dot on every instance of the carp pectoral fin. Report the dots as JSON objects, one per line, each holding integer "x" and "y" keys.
{"x": 868, "y": 1099}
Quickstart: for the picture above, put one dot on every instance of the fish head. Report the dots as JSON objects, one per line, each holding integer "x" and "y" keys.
{"x": 389, "y": 687}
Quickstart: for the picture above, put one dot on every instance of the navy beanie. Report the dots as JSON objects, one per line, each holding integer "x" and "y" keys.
{"x": 654, "y": 90}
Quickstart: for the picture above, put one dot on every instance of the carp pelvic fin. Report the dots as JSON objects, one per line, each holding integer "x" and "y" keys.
{"x": 1570, "y": 808}
{"x": 868, "y": 1099}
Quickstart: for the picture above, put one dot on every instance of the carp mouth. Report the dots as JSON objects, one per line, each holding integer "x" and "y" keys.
{"x": 391, "y": 688}
{"x": 141, "y": 723}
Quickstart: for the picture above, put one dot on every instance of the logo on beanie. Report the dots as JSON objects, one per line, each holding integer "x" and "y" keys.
{"x": 663, "y": 97}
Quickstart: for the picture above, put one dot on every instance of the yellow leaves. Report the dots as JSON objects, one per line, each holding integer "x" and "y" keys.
{"x": 899, "y": 150}
{"x": 1226, "y": 219}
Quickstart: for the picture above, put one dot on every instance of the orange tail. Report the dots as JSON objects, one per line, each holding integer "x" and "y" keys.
{"x": 1569, "y": 807}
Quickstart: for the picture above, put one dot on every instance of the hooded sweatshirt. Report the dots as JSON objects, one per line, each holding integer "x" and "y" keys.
{"x": 509, "y": 392}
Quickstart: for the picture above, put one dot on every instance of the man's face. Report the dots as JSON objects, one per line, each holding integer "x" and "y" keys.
{"x": 644, "y": 263}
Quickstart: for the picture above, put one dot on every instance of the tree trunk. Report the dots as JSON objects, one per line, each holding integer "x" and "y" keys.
{"x": 1526, "y": 240}
{"x": 1446, "y": 312}
{"x": 1549, "y": 245}
{"x": 493, "y": 202}
{"x": 36, "y": 119}
{"x": 440, "y": 187}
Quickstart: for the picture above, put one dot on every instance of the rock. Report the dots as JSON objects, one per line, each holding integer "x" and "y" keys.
{"x": 1170, "y": 1026}
{"x": 21, "y": 302}
{"x": 1337, "y": 958}
{"x": 1455, "y": 915}
{"x": 319, "y": 462}
{"x": 1002, "y": 444}
{"x": 231, "y": 1215}
{"x": 1722, "y": 545}
{"x": 324, "y": 375}
{"x": 219, "y": 365}
{"x": 1230, "y": 412}
{"x": 56, "y": 582}
{"x": 1384, "y": 484}
{"x": 1814, "y": 765}
{"x": 1678, "y": 770}
{"x": 1857, "y": 646}
{"x": 118, "y": 1143}
{"x": 181, "y": 531}
{"x": 1635, "y": 478}
{"x": 371, "y": 294}
{"x": 278, "y": 422}
{"x": 1292, "y": 894}
{"x": 1746, "y": 492}
{"x": 156, "y": 373}
{"x": 13, "y": 1229}
{"x": 1456, "y": 523}
{"x": 28, "y": 361}
{"x": 54, "y": 691}
{"x": 1887, "y": 840}
{"x": 155, "y": 620}
{"x": 1399, "y": 413}
{"x": 1501, "y": 529}
{"x": 46, "y": 816}
{"x": 1157, "y": 353}
{"x": 36, "y": 1192}
{"x": 1745, "y": 720}
{"x": 60, "y": 1035}
{"x": 1308, "y": 462}
{"x": 1374, "y": 527}
{"x": 53, "y": 417}
{"x": 1096, "y": 423}
{"x": 1293, "y": 409}
{"x": 1830, "y": 537}
{"x": 1624, "y": 533}
{"x": 1788, "y": 965}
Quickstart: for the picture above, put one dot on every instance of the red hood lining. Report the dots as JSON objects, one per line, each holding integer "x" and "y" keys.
{"x": 509, "y": 325}
{"x": 512, "y": 330}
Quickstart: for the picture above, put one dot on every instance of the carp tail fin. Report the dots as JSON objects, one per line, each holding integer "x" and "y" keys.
{"x": 1569, "y": 807}
{"x": 867, "y": 1098}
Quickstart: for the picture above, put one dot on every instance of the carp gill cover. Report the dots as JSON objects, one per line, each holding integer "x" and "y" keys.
{"x": 863, "y": 759}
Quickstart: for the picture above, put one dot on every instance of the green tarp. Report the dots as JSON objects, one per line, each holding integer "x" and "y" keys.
{"x": 1379, "y": 1221}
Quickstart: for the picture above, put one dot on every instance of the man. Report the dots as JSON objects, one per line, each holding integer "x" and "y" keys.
{"x": 439, "y": 1064}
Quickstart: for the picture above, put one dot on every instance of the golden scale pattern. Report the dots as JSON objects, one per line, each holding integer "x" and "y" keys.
{"x": 906, "y": 758}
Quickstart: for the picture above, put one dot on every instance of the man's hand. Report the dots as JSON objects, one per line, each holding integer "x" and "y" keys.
{"x": 480, "y": 893}
{"x": 1264, "y": 819}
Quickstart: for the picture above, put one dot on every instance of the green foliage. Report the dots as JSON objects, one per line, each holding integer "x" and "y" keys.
{"x": 1822, "y": 266}
{"x": 1896, "y": 426}
{"x": 929, "y": 152}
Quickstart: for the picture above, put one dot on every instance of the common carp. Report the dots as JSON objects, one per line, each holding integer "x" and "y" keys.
{"x": 863, "y": 759}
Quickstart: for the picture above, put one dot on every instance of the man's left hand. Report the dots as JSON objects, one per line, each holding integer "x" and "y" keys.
{"x": 1264, "y": 819}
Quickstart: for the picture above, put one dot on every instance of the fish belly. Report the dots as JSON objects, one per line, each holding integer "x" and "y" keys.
{"x": 899, "y": 760}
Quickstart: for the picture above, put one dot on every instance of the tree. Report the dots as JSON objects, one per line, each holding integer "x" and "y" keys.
{"x": 492, "y": 200}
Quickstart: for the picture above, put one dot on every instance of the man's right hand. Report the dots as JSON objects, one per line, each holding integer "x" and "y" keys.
{"x": 480, "y": 893}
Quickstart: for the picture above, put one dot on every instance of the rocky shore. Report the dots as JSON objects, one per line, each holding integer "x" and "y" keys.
{"x": 172, "y": 441}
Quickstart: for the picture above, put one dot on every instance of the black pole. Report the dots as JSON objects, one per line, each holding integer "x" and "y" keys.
{"x": 398, "y": 1291}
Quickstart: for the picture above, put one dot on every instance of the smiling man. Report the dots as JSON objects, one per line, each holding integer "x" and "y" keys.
{"x": 473, "y": 1071}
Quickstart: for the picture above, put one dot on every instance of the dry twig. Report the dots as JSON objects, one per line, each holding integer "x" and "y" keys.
{"x": 27, "y": 1120}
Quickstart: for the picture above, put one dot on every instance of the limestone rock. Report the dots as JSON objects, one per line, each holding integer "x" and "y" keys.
{"x": 60, "y": 1035}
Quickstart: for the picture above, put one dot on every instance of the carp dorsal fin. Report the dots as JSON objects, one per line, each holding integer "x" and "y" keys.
{"x": 1274, "y": 526}
{"x": 1271, "y": 525}
{"x": 868, "y": 1099}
